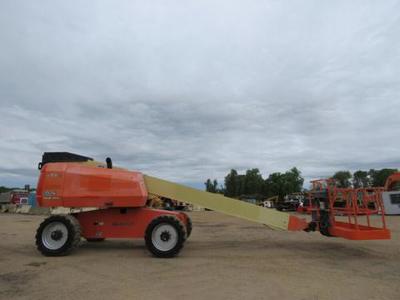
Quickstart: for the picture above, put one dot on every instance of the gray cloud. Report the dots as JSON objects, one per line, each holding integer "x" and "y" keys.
{"x": 187, "y": 91}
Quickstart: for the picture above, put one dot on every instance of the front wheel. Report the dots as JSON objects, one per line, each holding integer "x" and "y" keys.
{"x": 165, "y": 236}
{"x": 189, "y": 225}
{"x": 58, "y": 235}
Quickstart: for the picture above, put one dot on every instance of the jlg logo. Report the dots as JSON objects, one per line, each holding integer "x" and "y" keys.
{"x": 50, "y": 195}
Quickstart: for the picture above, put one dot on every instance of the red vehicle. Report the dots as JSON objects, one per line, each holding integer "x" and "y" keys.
{"x": 19, "y": 197}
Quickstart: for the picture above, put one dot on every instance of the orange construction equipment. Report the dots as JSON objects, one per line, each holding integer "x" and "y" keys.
{"x": 392, "y": 181}
{"x": 120, "y": 196}
{"x": 345, "y": 212}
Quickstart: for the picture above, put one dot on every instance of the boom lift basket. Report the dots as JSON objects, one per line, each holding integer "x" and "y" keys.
{"x": 346, "y": 212}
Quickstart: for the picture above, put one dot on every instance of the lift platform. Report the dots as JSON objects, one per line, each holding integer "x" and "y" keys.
{"x": 347, "y": 212}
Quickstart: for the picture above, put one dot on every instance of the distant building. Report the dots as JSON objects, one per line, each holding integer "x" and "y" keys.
{"x": 15, "y": 197}
{"x": 5, "y": 197}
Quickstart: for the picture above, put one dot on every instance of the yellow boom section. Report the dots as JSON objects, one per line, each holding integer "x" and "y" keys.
{"x": 222, "y": 204}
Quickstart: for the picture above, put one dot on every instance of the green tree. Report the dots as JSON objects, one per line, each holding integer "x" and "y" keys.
{"x": 293, "y": 181}
{"x": 208, "y": 185}
{"x": 361, "y": 179}
{"x": 253, "y": 182}
{"x": 274, "y": 186}
{"x": 4, "y": 189}
{"x": 343, "y": 179}
{"x": 215, "y": 186}
{"x": 282, "y": 184}
{"x": 231, "y": 181}
{"x": 253, "y": 185}
{"x": 240, "y": 185}
{"x": 211, "y": 186}
{"x": 378, "y": 177}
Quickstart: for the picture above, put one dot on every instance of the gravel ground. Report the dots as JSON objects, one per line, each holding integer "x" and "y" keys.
{"x": 225, "y": 258}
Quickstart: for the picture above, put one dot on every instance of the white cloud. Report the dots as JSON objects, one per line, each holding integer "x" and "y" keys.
{"x": 187, "y": 91}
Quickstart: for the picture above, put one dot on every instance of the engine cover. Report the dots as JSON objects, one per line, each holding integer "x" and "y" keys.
{"x": 75, "y": 184}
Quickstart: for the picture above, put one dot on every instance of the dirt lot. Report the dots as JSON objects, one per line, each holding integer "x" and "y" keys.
{"x": 225, "y": 258}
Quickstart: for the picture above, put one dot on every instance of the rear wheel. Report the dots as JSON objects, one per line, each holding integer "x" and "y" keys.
{"x": 58, "y": 235}
{"x": 165, "y": 236}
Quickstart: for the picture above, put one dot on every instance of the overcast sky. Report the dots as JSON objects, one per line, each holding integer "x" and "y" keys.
{"x": 187, "y": 90}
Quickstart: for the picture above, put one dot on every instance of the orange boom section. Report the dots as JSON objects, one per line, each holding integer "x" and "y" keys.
{"x": 80, "y": 185}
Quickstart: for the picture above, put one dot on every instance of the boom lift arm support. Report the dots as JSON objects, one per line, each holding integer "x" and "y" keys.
{"x": 217, "y": 202}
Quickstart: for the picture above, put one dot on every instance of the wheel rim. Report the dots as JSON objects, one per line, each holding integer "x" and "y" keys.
{"x": 164, "y": 237}
{"x": 54, "y": 235}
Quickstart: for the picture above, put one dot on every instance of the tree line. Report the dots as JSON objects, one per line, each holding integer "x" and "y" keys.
{"x": 4, "y": 189}
{"x": 360, "y": 178}
{"x": 251, "y": 184}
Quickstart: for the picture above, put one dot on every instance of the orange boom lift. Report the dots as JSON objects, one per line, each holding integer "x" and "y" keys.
{"x": 119, "y": 199}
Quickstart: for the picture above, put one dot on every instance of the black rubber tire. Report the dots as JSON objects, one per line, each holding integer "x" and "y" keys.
{"x": 95, "y": 240}
{"x": 189, "y": 226}
{"x": 324, "y": 224}
{"x": 73, "y": 240}
{"x": 177, "y": 224}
